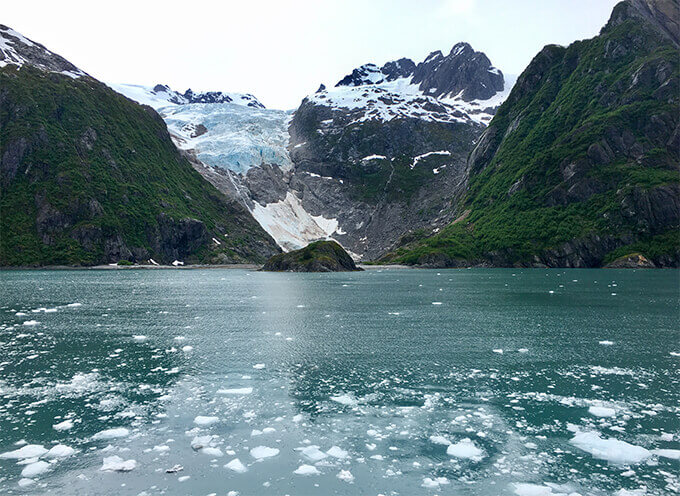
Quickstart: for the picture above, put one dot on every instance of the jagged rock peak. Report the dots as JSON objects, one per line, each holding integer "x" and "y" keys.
{"x": 464, "y": 73}
{"x": 17, "y": 50}
{"x": 189, "y": 96}
{"x": 663, "y": 14}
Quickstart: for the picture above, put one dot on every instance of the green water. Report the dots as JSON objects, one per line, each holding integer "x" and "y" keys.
{"x": 584, "y": 397}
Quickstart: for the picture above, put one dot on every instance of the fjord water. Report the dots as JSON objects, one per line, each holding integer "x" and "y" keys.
{"x": 394, "y": 382}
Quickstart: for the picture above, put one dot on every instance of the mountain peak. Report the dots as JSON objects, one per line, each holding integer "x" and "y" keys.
{"x": 663, "y": 14}
{"x": 161, "y": 95}
{"x": 17, "y": 50}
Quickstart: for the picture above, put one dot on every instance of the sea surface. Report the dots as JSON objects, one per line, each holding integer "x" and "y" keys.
{"x": 393, "y": 382}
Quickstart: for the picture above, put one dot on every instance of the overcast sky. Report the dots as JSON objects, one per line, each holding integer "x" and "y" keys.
{"x": 282, "y": 50}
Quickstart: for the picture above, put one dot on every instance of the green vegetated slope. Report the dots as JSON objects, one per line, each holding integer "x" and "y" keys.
{"x": 90, "y": 177}
{"x": 319, "y": 256}
{"x": 580, "y": 165}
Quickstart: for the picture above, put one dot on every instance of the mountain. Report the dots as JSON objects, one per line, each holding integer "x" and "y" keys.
{"x": 89, "y": 176}
{"x": 364, "y": 162}
{"x": 580, "y": 165}
{"x": 162, "y": 95}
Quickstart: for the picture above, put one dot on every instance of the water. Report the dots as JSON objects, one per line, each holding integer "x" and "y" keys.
{"x": 364, "y": 362}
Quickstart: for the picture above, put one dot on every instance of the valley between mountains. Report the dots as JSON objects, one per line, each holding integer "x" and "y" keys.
{"x": 444, "y": 162}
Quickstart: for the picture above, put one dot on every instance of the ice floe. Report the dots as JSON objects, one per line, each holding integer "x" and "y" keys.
{"x": 63, "y": 426}
{"x": 206, "y": 420}
{"x": 35, "y": 468}
{"x": 465, "y": 448}
{"x": 117, "y": 464}
{"x": 609, "y": 449}
{"x": 236, "y": 466}
{"x": 307, "y": 470}
{"x": 262, "y": 452}
{"x": 112, "y": 433}
{"x": 27, "y": 451}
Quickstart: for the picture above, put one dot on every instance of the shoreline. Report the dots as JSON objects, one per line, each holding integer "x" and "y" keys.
{"x": 179, "y": 267}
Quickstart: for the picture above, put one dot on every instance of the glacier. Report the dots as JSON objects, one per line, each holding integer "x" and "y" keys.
{"x": 238, "y": 134}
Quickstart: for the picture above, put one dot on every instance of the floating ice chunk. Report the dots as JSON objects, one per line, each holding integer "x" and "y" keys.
{"x": 307, "y": 470}
{"x": 601, "y": 411}
{"x": 117, "y": 464}
{"x": 35, "y": 468}
{"x": 60, "y": 451}
{"x": 244, "y": 390}
{"x": 31, "y": 323}
{"x": 212, "y": 451}
{"x": 631, "y": 492}
{"x": 236, "y": 466}
{"x": 312, "y": 453}
{"x": 184, "y": 478}
{"x": 337, "y": 452}
{"x": 63, "y": 426}
{"x": 522, "y": 489}
{"x": 298, "y": 418}
{"x": 139, "y": 338}
{"x": 606, "y": 343}
{"x": 673, "y": 454}
{"x": 259, "y": 366}
{"x": 523, "y": 350}
{"x": 434, "y": 483}
{"x": 262, "y": 452}
{"x": 436, "y": 302}
{"x": 26, "y": 482}
{"x": 345, "y": 399}
{"x": 674, "y": 353}
{"x": 611, "y": 450}
{"x": 498, "y": 350}
{"x": 439, "y": 440}
{"x": 21, "y": 314}
{"x": 174, "y": 469}
{"x": 27, "y": 451}
{"x": 161, "y": 448}
{"x": 465, "y": 448}
{"x": 73, "y": 305}
{"x": 201, "y": 441}
{"x": 345, "y": 475}
{"x": 112, "y": 433}
{"x": 187, "y": 348}
{"x": 203, "y": 420}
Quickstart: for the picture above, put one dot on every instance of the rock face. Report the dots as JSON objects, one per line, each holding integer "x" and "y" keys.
{"x": 320, "y": 256}
{"x": 580, "y": 164}
{"x": 463, "y": 72}
{"x": 633, "y": 261}
{"x": 91, "y": 177}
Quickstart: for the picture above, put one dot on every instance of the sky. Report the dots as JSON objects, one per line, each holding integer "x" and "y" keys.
{"x": 281, "y": 51}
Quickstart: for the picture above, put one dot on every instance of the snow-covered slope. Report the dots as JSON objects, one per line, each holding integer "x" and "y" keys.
{"x": 162, "y": 95}
{"x": 17, "y": 50}
{"x": 461, "y": 87}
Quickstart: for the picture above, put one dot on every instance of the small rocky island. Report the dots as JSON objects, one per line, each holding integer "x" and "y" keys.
{"x": 319, "y": 256}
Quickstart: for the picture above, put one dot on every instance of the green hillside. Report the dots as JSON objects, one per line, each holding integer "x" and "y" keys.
{"x": 91, "y": 177}
{"x": 580, "y": 164}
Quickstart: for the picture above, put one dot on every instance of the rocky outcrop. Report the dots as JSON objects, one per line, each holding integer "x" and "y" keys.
{"x": 632, "y": 261}
{"x": 320, "y": 256}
